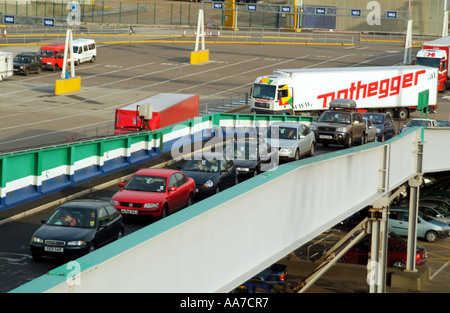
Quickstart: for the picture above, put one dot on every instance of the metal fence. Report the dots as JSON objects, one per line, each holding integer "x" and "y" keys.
{"x": 267, "y": 15}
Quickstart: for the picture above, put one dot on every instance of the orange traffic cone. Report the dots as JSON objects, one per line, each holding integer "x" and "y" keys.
{"x": 5, "y": 33}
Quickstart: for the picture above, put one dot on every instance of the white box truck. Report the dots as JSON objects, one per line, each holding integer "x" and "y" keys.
{"x": 391, "y": 89}
{"x": 6, "y": 65}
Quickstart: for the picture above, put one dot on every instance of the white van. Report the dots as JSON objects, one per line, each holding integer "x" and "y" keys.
{"x": 6, "y": 65}
{"x": 84, "y": 50}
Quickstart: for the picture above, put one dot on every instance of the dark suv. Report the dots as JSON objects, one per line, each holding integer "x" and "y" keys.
{"x": 27, "y": 62}
{"x": 340, "y": 125}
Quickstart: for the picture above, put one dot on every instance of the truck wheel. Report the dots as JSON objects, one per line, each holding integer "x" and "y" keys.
{"x": 38, "y": 70}
{"x": 402, "y": 113}
{"x": 390, "y": 112}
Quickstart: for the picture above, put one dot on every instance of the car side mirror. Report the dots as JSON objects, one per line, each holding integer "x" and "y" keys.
{"x": 43, "y": 221}
{"x": 172, "y": 188}
{"x": 121, "y": 184}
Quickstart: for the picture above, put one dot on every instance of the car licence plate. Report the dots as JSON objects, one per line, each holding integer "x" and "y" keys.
{"x": 134, "y": 212}
{"x": 325, "y": 137}
{"x": 53, "y": 249}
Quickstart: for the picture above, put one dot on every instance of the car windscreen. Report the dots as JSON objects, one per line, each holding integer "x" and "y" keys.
{"x": 335, "y": 117}
{"x": 47, "y": 53}
{"x": 201, "y": 165}
{"x": 242, "y": 151}
{"x": 71, "y": 217}
{"x": 146, "y": 183}
{"x": 282, "y": 132}
{"x": 419, "y": 123}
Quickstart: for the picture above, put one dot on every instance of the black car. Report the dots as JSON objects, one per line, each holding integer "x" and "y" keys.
{"x": 251, "y": 156}
{"x": 76, "y": 228}
{"x": 27, "y": 62}
{"x": 211, "y": 173}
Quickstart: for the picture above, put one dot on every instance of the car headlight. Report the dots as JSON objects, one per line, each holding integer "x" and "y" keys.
{"x": 76, "y": 243}
{"x": 313, "y": 127}
{"x": 342, "y": 129}
{"x": 286, "y": 149}
{"x": 243, "y": 169}
{"x": 114, "y": 202}
{"x": 37, "y": 240}
{"x": 151, "y": 205}
{"x": 22, "y": 67}
{"x": 208, "y": 184}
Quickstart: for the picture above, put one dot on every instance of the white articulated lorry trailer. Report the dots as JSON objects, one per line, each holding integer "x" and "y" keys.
{"x": 391, "y": 89}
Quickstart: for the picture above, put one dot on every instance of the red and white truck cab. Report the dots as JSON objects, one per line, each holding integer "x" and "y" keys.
{"x": 435, "y": 54}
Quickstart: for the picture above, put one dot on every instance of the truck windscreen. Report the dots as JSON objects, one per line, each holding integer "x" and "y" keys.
{"x": 431, "y": 62}
{"x": 261, "y": 91}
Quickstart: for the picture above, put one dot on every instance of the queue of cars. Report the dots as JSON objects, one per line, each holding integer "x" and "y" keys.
{"x": 51, "y": 56}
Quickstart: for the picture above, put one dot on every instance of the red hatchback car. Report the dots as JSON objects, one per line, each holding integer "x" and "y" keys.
{"x": 154, "y": 193}
{"x": 396, "y": 257}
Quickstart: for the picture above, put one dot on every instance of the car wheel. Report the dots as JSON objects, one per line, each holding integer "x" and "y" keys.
{"x": 217, "y": 189}
{"x": 36, "y": 256}
{"x": 431, "y": 236}
{"x": 363, "y": 139}
{"x": 349, "y": 141}
{"x": 190, "y": 200}
{"x": 92, "y": 59}
{"x": 297, "y": 155}
{"x": 341, "y": 260}
{"x": 92, "y": 247}
{"x": 399, "y": 264}
{"x": 26, "y": 72}
{"x": 165, "y": 211}
{"x": 120, "y": 234}
{"x": 383, "y": 137}
{"x": 312, "y": 149}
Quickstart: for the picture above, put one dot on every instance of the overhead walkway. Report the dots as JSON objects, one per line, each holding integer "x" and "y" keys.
{"x": 222, "y": 241}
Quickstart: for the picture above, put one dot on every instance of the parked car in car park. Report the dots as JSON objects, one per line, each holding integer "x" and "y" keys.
{"x": 421, "y": 122}
{"x": 384, "y": 124}
{"x": 371, "y": 130}
{"x": 427, "y": 228}
{"x": 28, "y": 62}
{"x": 340, "y": 125}
{"x": 293, "y": 140}
{"x": 437, "y": 208}
{"x": 275, "y": 274}
{"x": 251, "y": 156}
{"x": 76, "y": 228}
{"x": 396, "y": 252}
{"x": 257, "y": 286}
{"x": 154, "y": 192}
{"x": 211, "y": 172}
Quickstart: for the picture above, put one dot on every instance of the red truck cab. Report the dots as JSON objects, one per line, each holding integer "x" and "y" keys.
{"x": 435, "y": 54}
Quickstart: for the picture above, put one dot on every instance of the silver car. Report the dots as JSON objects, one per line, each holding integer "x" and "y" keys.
{"x": 293, "y": 140}
{"x": 371, "y": 130}
{"x": 436, "y": 207}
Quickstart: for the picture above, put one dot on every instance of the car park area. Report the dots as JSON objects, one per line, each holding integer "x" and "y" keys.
{"x": 96, "y": 102}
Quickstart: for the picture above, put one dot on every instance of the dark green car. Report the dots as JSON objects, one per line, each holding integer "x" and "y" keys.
{"x": 28, "y": 62}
